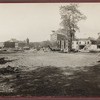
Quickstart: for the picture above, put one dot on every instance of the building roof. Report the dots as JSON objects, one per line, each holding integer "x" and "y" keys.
{"x": 16, "y": 41}
{"x": 12, "y": 40}
{"x": 84, "y": 39}
{"x": 59, "y": 34}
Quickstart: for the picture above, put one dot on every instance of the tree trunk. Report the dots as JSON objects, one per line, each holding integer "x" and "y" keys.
{"x": 70, "y": 36}
{"x": 70, "y": 45}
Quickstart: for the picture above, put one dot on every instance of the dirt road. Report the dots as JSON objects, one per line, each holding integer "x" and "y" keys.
{"x": 52, "y": 59}
{"x": 51, "y": 74}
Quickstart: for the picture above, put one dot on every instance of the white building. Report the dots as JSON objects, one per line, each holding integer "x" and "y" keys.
{"x": 85, "y": 44}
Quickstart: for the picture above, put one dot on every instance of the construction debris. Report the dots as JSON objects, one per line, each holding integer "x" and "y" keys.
{"x": 2, "y": 60}
{"x": 9, "y": 70}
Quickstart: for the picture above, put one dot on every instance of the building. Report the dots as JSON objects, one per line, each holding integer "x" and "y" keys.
{"x": 77, "y": 44}
{"x": 1, "y": 45}
{"x": 81, "y": 43}
{"x": 13, "y": 43}
{"x": 57, "y": 37}
{"x": 61, "y": 40}
{"x": 85, "y": 43}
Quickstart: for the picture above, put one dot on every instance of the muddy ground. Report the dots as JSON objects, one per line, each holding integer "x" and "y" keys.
{"x": 50, "y": 74}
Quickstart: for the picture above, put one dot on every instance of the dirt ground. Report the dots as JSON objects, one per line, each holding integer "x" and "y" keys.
{"x": 51, "y": 74}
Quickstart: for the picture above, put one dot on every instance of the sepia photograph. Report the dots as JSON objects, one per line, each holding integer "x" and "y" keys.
{"x": 49, "y": 50}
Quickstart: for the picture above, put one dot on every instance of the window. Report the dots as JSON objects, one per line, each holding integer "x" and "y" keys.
{"x": 88, "y": 42}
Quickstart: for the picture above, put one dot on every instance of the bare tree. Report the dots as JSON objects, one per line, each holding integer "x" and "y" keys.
{"x": 70, "y": 16}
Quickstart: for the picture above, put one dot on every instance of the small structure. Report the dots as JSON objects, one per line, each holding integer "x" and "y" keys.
{"x": 1, "y": 45}
{"x": 26, "y": 48}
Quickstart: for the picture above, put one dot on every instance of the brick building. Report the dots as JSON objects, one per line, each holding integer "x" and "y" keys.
{"x": 61, "y": 41}
{"x": 13, "y": 43}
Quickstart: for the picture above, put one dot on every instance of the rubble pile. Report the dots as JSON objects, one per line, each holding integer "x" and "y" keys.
{"x": 9, "y": 70}
{"x": 2, "y": 60}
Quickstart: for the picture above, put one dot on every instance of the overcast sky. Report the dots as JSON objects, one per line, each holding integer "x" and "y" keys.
{"x": 37, "y": 20}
